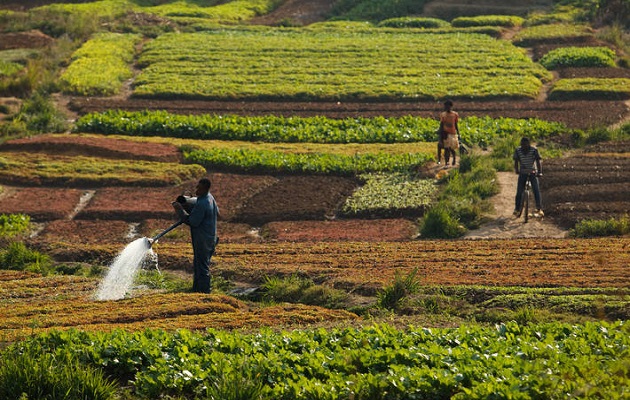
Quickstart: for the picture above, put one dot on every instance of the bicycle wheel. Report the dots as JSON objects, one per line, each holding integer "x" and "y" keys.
{"x": 526, "y": 204}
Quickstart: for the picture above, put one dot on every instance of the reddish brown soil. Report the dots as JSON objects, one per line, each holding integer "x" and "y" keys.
{"x": 42, "y": 204}
{"x": 384, "y": 230}
{"x": 72, "y": 145}
{"x": 593, "y": 185}
{"x": 25, "y": 40}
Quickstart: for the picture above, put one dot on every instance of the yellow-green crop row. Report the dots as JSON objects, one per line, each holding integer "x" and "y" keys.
{"x": 340, "y": 65}
{"x": 232, "y": 11}
{"x": 341, "y": 159}
{"x": 101, "y": 65}
{"x": 551, "y": 32}
{"x": 590, "y": 89}
{"x": 36, "y": 169}
{"x": 334, "y": 159}
{"x": 105, "y": 8}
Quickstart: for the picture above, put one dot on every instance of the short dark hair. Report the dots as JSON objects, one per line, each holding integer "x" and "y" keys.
{"x": 448, "y": 103}
{"x": 205, "y": 182}
{"x": 524, "y": 140}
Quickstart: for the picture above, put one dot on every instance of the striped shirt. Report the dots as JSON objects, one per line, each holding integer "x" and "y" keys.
{"x": 527, "y": 161}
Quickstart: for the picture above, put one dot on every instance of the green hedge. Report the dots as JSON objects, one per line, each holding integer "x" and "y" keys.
{"x": 509, "y": 21}
{"x": 566, "y": 57}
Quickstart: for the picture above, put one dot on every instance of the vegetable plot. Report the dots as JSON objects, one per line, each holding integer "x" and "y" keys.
{"x": 341, "y": 65}
{"x": 377, "y": 362}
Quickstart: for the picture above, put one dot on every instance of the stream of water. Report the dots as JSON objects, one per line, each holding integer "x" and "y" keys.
{"x": 122, "y": 272}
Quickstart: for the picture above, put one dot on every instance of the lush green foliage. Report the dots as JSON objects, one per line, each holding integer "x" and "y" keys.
{"x": 39, "y": 114}
{"x": 463, "y": 201}
{"x": 278, "y": 64}
{"x": 590, "y": 88}
{"x": 33, "y": 375}
{"x": 294, "y": 289}
{"x": 564, "y": 57}
{"x": 414, "y": 22}
{"x": 440, "y": 223}
{"x": 390, "y": 195}
{"x": 393, "y": 296}
{"x": 488, "y": 20}
{"x": 471, "y": 362}
{"x": 481, "y": 131}
{"x": 594, "y": 228}
{"x": 16, "y": 256}
{"x": 101, "y": 65}
{"x": 13, "y": 224}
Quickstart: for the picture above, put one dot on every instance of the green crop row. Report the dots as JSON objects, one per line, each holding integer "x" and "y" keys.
{"x": 37, "y": 169}
{"x": 271, "y": 161}
{"x": 591, "y": 88}
{"x": 551, "y": 32}
{"x": 488, "y": 20}
{"x": 482, "y": 131}
{"x": 565, "y": 57}
{"x": 390, "y": 195}
{"x": 219, "y": 11}
{"x": 280, "y": 64}
{"x": 104, "y": 8}
{"x": 507, "y": 361}
{"x": 101, "y": 65}
{"x": 414, "y": 22}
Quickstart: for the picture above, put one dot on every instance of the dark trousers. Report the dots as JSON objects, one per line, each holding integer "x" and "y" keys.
{"x": 203, "y": 249}
{"x": 520, "y": 188}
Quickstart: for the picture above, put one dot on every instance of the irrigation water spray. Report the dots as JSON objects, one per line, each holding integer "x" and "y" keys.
{"x": 123, "y": 269}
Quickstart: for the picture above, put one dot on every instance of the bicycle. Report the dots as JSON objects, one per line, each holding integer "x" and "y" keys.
{"x": 525, "y": 199}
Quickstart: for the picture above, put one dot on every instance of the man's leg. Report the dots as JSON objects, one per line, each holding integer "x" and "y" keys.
{"x": 536, "y": 189}
{"x": 520, "y": 188}
{"x": 201, "y": 265}
{"x": 440, "y": 147}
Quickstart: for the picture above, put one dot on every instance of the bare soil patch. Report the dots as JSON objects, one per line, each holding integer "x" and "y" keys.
{"x": 382, "y": 230}
{"x": 33, "y": 39}
{"x": 297, "y": 198}
{"x": 296, "y": 13}
{"x": 104, "y": 147}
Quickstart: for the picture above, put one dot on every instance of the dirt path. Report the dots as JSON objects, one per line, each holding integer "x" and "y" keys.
{"x": 504, "y": 226}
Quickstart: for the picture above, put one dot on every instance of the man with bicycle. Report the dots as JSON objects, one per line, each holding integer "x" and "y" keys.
{"x": 527, "y": 164}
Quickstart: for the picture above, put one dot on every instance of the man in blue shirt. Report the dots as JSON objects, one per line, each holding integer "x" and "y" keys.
{"x": 203, "y": 230}
{"x": 528, "y": 166}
